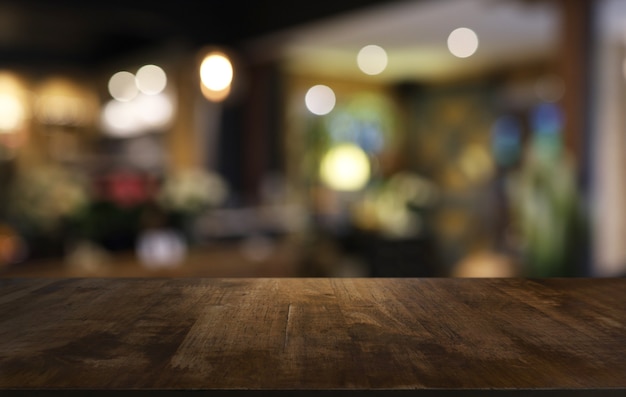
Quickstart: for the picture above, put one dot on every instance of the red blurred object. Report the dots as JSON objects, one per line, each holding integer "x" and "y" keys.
{"x": 127, "y": 188}
{"x": 12, "y": 246}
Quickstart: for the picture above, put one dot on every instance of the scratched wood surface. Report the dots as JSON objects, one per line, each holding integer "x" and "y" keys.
{"x": 567, "y": 334}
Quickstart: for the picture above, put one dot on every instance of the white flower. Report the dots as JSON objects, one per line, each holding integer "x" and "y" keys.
{"x": 192, "y": 191}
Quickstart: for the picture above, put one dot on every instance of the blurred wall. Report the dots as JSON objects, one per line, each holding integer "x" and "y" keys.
{"x": 608, "y": 143}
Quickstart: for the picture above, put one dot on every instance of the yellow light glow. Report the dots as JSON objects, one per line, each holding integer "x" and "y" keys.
{"x": 11, "y": 83}
{"x": 122, "y": 86}
{"x": 214, "y": 96}
{"x": 12, "y": 113}
{"x": 345, "y": 167}
{"x": 61, "y": 110}
{"x": 372, "y": 59}
{"x": 320, "y": 100}
{"x": 216, "y": 72}
{"x": 476, "y": 163}
{"x": 462, "y": 42}
{"x": 13, "y": 104}
{"x": 151, "y": 79}
{"x": 62, "y": 101}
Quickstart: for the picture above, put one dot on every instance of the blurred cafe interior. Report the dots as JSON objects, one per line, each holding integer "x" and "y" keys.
{"x": 352, "y": 138}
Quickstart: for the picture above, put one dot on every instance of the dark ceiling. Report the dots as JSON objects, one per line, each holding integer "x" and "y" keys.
{"x": 88, "y": 33}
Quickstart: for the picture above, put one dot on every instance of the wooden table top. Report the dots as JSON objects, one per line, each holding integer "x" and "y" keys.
{"x": 417, "y": 336}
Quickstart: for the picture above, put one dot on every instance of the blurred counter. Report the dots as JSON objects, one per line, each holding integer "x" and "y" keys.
{"x": 251, "y": 257}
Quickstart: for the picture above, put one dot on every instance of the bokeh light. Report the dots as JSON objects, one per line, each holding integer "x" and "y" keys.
{"x": 462, "y": 42}
{"x": 345, "y": 167}
{"x": 154, "y": 110}
{"x": 372, "y": 59}
{"x": 141, "y": 103}
{"x": 320, "y": 100}
{"x": 63, "y": 102}
{"x": 13, "y": 104}
{"x": 547, "y": 118}
{"x": 476, "y": 163}
{"x": 142, "y": 114}
{"x": 161, "y": 248}
{"x": 119, "y": 119}
{"x": 151, "y": 79}
{"x": 122, "y": 86}
{"x": 61, "y": 110}
{"x": 216, "y": 72}
{"x": 12, "y": 113}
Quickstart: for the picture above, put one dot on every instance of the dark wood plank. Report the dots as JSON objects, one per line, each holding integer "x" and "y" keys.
{"x": 420, "y": 335}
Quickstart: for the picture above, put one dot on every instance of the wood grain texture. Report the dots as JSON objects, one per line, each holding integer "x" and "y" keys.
{"x": 317, "y": 334}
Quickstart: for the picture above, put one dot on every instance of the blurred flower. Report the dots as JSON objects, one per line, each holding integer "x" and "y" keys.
{"x": 43, "y": 197}
{"x": 547, "y": 210}
{"x": 127, "y": 189}
{"x": 391, "y": 208}
{"x": 192, "y": 191}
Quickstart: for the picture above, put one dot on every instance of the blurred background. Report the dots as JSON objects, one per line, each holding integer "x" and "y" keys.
{"x": 352, "y": 138}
